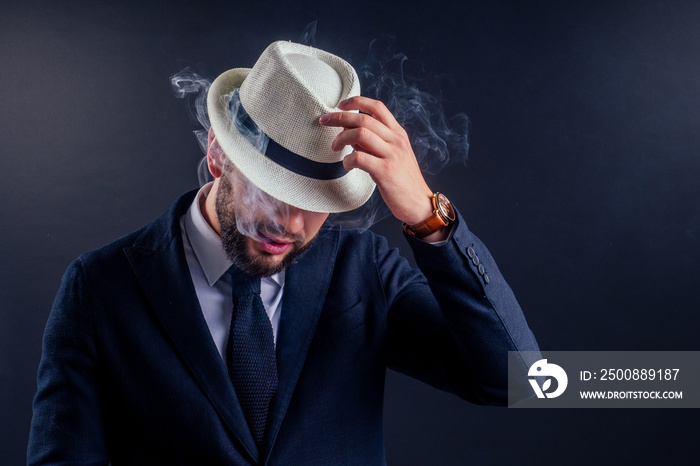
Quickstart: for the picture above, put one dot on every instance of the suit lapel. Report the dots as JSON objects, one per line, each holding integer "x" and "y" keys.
{"x": 305, "y": 289}
{"x": 158, "y": 261}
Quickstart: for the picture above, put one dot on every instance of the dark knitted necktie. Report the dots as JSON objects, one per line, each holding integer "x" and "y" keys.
{"x": 250, "y": 353}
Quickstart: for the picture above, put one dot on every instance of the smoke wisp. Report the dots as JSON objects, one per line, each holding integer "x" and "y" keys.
{"x": 193, "y": 88}
{"x": 435, "y": 141}
{"x": 258, "y": 215}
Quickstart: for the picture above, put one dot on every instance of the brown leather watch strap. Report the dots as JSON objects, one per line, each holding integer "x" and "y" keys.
{"x": 430, "y": 224}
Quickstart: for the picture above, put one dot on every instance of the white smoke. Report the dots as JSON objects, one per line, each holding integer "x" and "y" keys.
{"x": 435, "y": 142}
{"x": 193, "y": 87}
{"x": 257, "y": 213}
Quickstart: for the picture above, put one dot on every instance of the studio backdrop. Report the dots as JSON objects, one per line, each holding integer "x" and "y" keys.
{"x": 582, "y": 176}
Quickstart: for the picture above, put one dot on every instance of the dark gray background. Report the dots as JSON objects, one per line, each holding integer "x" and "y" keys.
{"x": 582, "y": 179}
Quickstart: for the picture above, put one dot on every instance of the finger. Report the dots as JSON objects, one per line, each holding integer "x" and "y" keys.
{"x": 365, "y": 162}
{"x": 374, "y": 107}
{"x": 362, "y": 139}
{"x": 356, "y": 120}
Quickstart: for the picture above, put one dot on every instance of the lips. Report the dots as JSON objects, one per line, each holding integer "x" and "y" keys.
{"x": 275, "y": 246}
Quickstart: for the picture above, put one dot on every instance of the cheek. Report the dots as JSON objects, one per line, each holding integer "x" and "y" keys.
{"x": 314, "y": 221}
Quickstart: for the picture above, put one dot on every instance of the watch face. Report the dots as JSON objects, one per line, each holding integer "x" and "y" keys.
{"x": 445, "y": 208}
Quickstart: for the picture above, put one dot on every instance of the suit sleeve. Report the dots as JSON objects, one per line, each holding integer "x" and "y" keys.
{"x": 67, "y": 425}
{"x": 453, "y": 322}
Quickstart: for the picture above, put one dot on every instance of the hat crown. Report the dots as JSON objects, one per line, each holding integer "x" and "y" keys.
{"x": 321, "y": 80}
{"x": 289, "y": 88}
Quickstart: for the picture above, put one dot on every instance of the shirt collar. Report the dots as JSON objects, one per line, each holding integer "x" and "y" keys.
{"x": 206, "y": 243}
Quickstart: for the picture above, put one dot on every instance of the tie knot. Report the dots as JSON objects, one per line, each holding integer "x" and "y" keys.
{"x": 243, "y": 283}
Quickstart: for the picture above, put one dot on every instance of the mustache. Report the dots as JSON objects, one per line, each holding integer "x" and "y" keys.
{"x": 275, "y": 230}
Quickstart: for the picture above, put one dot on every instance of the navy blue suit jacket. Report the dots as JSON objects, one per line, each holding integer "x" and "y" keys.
{"x": 130, "y": 373}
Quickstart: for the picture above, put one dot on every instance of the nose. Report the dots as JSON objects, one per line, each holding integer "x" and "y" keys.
{"x": 294, "y": 221}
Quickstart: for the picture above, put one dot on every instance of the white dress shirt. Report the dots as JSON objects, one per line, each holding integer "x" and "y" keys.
{"x": 208, "y": 264}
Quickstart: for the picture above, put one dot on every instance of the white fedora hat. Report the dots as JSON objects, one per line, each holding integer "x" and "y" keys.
{"x": 266, "y": 121}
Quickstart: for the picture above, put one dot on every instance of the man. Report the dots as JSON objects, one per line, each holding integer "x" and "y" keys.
{"x": 240, "y": 328}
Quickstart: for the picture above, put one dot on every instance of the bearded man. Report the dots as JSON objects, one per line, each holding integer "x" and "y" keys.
{"x": 240, "y": 327}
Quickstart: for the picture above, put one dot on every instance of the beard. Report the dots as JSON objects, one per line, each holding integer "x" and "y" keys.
{"x": 235, "y": 243}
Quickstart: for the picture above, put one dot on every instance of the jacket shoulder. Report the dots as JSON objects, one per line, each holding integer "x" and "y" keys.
{"x": 153, "y": 235}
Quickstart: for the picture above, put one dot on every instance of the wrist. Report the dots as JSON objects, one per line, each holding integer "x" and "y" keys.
{"x": 441, "y": 215}
{"x": 420, "y": 210}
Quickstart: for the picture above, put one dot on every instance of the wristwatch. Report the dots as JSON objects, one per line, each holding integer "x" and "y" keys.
{"x": 443, "y": 215}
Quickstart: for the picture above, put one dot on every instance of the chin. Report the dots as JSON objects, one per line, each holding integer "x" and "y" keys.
{"x": 260, "y": 263}
{"x": 267, "y": 258}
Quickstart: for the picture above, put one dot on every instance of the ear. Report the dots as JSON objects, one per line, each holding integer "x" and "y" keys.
{"x": 215, "y": 156}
